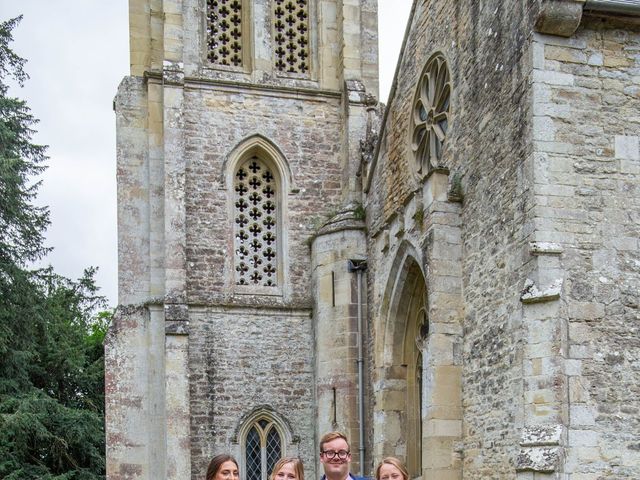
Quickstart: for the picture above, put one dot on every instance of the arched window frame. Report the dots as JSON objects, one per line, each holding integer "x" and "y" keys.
{"x": 267, "y": 450}
{"x": 274, "y": 422}
{"x": 269, "y": 154}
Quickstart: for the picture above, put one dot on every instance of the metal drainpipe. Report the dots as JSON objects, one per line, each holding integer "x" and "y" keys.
{"x": 629, "y": 7}
{"x": 360, "y": 266}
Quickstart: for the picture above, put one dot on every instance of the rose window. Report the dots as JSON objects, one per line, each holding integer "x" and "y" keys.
{"x": 255, "y": 225}
{"x": 430, "y": 116}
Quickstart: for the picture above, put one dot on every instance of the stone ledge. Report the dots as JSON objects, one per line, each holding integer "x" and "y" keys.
{"x": 540, "y": 448}
{"x": 538, "y": 459}
{"x": 349, "y": 218}
{"x": 531, "y": 294}
{"x": 545, "y": 248}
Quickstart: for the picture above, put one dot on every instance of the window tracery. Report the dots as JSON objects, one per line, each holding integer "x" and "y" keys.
{"x": 263, "y": 448}
{"x": 255, "y": 224}
{"x": 224, "y": 32}
{"x": 291, "y": 34}
{"x": 430, "y": 115}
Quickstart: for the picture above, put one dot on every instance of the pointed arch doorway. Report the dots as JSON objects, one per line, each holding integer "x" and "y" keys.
{"x": 399, "y": 399}
{"x": 418, "y": 409}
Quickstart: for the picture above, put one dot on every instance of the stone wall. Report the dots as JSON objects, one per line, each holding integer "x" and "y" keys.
{"x": 215, "y": 123}
{"x": 488, "y": 155}
{"x": 240, "y": 360}
{"x": 243, "y": 359}
{"x": 213, "y": 352}
{"x": 587, "y": 184}
{"x": 543, "y": 147}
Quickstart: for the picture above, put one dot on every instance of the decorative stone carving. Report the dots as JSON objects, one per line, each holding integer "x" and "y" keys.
{"x": 538, "y": 459}
{"x": 423, "y": 330}
{"x": 430, "y": 116}
{"x": 559, "y": 17}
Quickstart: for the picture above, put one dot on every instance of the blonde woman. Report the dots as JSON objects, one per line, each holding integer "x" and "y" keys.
{"x": 288, "y": 468}
{"x": 391, "y": 468}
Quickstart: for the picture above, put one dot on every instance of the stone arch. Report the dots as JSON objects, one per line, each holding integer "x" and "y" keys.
{"x": 264, "y": 411}
{"x": 261, "y": 146}
{"x": 403, "y": 322}
{"x": 243, "y": 269}
{"x": 422, "y": 301}
{"x": 270, "y": 420}
{"x": 391, "y": 299}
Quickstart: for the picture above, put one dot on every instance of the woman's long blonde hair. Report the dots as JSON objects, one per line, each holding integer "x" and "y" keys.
{"x": 297, "y": 466}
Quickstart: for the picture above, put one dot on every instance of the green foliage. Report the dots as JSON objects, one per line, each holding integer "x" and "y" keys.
{"x": 456, "y": 192}
{"x": 51, "y": 378}
{"x": 51, "y": 341}
{"x": 418, "y": 216}
{"x": 359, "y": 212}
{"x": 22, "y": 224}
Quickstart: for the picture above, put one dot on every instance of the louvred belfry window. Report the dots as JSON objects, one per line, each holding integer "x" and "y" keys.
{"x": 255, "y": 225}
{"x": 224, "y": 32}
{"x": 291, "y": 34}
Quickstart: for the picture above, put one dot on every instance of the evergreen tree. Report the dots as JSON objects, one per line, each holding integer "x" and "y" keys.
{"x": 51, "y": 343}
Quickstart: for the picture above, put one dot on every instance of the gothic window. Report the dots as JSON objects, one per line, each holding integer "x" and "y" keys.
{"x": 430, "y": 115}
{"x": 263, "y": 448}
{"x": 291, "y": 34}
{"x": 224, "y": 32}
{"x": 255, "y": 224}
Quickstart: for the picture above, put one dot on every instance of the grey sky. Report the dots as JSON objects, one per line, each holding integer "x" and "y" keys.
{"x": 77, "y": 52}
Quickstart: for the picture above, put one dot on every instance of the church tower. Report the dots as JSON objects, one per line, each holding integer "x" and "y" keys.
{"x": 239, "y": 135}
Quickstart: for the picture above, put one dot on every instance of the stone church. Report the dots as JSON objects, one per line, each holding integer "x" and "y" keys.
{"x": 452, "y": 278}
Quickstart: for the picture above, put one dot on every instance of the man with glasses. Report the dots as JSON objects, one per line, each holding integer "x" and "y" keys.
{"x": 335, "y": 457}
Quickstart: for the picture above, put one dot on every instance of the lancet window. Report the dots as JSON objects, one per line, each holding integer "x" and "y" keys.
{"x": 256, "y": 224}
{"x": 262, "y": 447}
{"x": 291, "y": 34}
